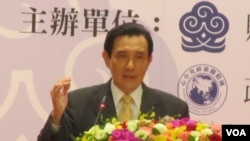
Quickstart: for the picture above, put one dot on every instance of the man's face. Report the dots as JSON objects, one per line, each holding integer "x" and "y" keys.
{"x": 128, "y": 62}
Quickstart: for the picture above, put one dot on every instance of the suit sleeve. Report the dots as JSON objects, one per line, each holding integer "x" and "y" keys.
{"x": 48, "y": 134}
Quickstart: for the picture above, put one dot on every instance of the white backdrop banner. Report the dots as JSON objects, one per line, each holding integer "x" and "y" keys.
{"x": 201, "y": 54}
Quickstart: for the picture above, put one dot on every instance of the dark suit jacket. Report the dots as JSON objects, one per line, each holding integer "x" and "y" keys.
{"x": 83, "y": 107}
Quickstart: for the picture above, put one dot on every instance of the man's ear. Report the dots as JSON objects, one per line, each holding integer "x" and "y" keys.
{"x": 150, "y": 60}
{"x": 106, "y": 58}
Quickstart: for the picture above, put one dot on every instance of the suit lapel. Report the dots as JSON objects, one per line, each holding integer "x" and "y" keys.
{"x": 148, "y": 101}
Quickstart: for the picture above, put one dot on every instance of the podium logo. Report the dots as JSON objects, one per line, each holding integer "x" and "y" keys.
{"x": 204, "y": 88}
{"x": 203, "y": 28}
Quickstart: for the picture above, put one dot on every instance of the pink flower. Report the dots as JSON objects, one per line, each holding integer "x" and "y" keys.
{"x": 123, "y": 135}
{"x": 190, "y": 124}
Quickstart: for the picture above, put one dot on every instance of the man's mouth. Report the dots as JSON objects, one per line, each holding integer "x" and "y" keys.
{"x": 129, "y": 76}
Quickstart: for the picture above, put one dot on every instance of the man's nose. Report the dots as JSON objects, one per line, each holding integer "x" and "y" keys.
{"x": 130, "y": 64}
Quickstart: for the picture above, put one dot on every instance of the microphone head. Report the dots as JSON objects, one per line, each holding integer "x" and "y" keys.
{"x": 102, "y": 106}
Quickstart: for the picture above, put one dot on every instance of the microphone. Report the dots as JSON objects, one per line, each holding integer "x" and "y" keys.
{"x": 101, "y": 106}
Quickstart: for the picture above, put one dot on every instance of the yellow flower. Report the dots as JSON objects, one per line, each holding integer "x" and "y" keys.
{"x": 101, "y": 135}
{"x": 201, "y": 126}
{"x": 177, "y": 131}
{"x": 152, "y": 115}
{"x": 160, "y": 138}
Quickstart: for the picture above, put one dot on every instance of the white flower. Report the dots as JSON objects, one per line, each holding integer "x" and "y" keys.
{"x": 101, "y": 135}
{"x": 132, "y": 125}
{"x": 92, "y": 130}
{"x": 109, "y": 127}
{"x": 142, "y": 134}
{"x": 161, "y": 128}
{"x": 207, "y": 131}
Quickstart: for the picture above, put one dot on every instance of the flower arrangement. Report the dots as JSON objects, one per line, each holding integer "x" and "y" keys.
{"x": 150, "y": 129}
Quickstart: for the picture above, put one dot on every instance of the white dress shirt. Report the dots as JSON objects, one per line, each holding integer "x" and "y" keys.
{"x": 135, "y": 103}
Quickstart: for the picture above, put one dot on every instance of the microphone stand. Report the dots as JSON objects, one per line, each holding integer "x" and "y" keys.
{"x": 102, "y": 106}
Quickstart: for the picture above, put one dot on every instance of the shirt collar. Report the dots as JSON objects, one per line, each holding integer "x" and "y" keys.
{"x": 117, "y": 94}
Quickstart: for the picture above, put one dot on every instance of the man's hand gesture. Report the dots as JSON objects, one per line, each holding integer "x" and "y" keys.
{"x": 59, "y": 96}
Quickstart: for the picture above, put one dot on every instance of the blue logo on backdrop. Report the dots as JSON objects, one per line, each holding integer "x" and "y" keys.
{"x": 203, "y": 28}
{"x": 204, "y": 88}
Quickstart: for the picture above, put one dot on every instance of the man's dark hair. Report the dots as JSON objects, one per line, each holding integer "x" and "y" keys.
{"x": 127, "y": 29}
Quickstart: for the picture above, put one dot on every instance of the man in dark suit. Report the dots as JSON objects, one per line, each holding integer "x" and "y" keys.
{"x": 127, "y": 53}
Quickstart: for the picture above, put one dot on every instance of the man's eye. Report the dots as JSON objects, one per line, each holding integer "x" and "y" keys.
{"x": 122, "y": 55}
{"x": 140, "y": 56}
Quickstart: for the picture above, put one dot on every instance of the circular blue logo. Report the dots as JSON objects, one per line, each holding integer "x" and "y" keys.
{"x": 204, "y": 88}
